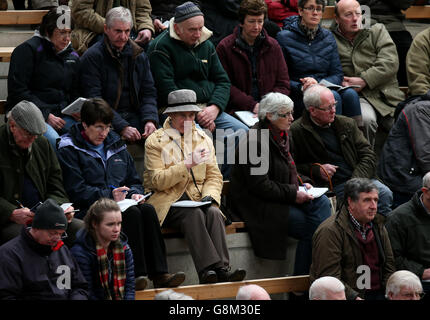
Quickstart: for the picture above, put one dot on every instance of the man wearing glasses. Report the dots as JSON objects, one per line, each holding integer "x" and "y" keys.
{"x": 37, "y": 265}
{"x": 332, "y": 148}
{"x": 408, "y": 227}
{"x": 29, "y": 172}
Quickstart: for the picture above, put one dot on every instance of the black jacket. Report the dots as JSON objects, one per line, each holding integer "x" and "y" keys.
{"x": 31, "y": 271}
{"x": 39, "y": 75}
{"x": 408, "y": 227}
{"x": 405, "y": 157}
{"x": 102, "y": 75}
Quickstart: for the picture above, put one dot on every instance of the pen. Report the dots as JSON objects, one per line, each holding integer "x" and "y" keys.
{"x": 20, "y": 204}
{"x": 306, "y": 189}
{"x": 76, "y": 210}
{"x": 113, "y": 187}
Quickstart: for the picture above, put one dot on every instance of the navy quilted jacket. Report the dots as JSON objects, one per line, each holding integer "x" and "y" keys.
{"x": 318, "y": 58}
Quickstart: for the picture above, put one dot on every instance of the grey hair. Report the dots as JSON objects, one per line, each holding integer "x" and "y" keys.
{"x": 426, "y": 180}
{"x": 312, "y": 95}
{"x": 272, "y": 103}
{"x": 119, "y": 14}
{"x": 171, "y": 295}
{"x": 318, "y": 289}
{"x": 402, "y": 279}
{"x": 355, "y": 186}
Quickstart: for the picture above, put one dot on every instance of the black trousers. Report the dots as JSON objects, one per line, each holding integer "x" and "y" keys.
{"x": 403, "y": 41}
{"x": 20, "y": 5}
{"x": 141, "y": 226}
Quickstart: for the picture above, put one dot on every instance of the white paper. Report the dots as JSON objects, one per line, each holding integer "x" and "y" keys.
{"x": 336, "y": 87}
{"x": 247, "y": 117}
{"x": 127, "y": 203}
{"x": 66, "y": 205}
{"x": 74, "y": 107}
{"x": 315, "y": 192}
{"x": 189, "y": 204}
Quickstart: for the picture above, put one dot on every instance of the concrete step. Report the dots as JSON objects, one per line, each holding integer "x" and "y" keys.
{"x": 12, "y": 37}
{"x": 241, "y": 256}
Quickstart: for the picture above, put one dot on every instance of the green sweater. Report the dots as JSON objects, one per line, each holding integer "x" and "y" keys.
{"x": 42, "y": 167}
{"x": 176, "y": 66}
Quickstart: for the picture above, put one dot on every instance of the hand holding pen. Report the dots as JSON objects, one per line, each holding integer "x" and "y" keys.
{"x": 119, "y": 193}
{"x": 304, "y": 196}
{"x": 21, "y": 215}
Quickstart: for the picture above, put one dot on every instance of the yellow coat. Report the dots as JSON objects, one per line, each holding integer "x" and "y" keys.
{"x": 166, "y": 174}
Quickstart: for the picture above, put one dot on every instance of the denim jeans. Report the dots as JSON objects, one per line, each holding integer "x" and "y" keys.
{"x": 303, "y": 220}
{"x": 385, "y": 201}
{"x": 52, "y": 135}
{"x": 348, "y": 102}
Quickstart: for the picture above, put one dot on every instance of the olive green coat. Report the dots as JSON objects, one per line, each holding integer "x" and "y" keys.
{"x": 89, "y": 18}
{"x": 373, "y": 57}
{"x": 418, "y": 64}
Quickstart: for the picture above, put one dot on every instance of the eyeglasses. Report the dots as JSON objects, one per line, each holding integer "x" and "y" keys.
{"x": 285, "y": 115}
{"x": 53, "y": 234}
{"x": 318, "y": 9}
{"x": 329, "y": 108}
{"x": 102, "y": 128}
{"x": 413, "y": 295}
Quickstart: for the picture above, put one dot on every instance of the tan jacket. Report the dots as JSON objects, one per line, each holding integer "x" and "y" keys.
{"x": 166, "y": 174}
{"x": 89, "y": 18}
{"x": 372, "y": 56}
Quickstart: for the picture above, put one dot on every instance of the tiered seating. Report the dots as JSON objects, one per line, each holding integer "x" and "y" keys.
{"x": 229, "y": 289}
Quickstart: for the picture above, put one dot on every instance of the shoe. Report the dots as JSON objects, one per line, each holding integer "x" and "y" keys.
{"x": 225, "y": 275}
{"x": 208, "y": 276}
{"x": 140, "y": 283}
{"x": 168, "y": 280}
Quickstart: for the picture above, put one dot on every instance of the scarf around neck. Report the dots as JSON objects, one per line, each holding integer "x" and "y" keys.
{"x": 119, "y": 274}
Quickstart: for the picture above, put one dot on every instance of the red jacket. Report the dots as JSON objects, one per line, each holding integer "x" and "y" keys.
{"x": 271, "y": 69}
{"x": 278, "y": 11}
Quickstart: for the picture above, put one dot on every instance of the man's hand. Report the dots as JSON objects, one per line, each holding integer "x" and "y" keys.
{"x": 255, "y": 110}
{"x": 131, "y": 134}
{"x": 197, "y": 157}
{"x": 426, "y": 274}
{"x": 159, "y": 26}
{"x": 330, "y": 169}
{"x": 55, "y": 122}
{"x": 120, "y": 193}
{"x": 21, "y": 215}
{"x": 143, "y": 36}
{"x": 303, "y": 196}
{"x": 307, "y": 82}
{"x": 348, "y": 81}
{"x": 69, "y": 212}
{"x": 149, "y": 128}
{"x": 207, "y": 116}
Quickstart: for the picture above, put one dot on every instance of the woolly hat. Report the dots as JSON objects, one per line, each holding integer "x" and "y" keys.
{"x": 186, "y": 10}
{"x": 29, "y": 117}
{"x": 49, "y": 215}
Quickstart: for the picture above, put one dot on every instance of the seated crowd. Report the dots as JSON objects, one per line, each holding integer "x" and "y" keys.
{"x": 172, "y": 88}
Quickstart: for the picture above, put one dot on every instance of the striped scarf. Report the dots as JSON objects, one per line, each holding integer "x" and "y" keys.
{"x": 118, "y": 270}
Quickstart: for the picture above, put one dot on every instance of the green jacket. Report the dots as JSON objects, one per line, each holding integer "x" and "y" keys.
{"x": 418, "y": 64}
{"x": 176, "y": 66}
{"x": 373, "y": 57}
{"x": 42, "y": 167}
{"x": 336, "y": 252}
{"x": 89, "y": 18}
{"x": 310, "y": 148}
{"x": 409, "y": 229}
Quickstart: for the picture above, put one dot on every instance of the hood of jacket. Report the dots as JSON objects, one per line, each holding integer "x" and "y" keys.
{"x": 206, "y": 33}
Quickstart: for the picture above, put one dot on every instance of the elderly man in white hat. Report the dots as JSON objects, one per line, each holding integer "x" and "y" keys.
{"x": 29, "y": 172}
{"x": 180, "y": 164}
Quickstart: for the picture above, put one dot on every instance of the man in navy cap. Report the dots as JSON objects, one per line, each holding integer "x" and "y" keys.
{"x": 37, "y": 265}
{"x": 29, "y": 172}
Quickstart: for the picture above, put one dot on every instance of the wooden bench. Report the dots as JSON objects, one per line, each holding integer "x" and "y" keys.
{"x": 229, "y": 289}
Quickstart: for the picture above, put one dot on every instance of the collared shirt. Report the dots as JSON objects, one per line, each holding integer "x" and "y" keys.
{"x": 363, "y": 229}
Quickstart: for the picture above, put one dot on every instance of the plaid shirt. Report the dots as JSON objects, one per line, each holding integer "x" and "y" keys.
{"x": 363, "y": 229}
